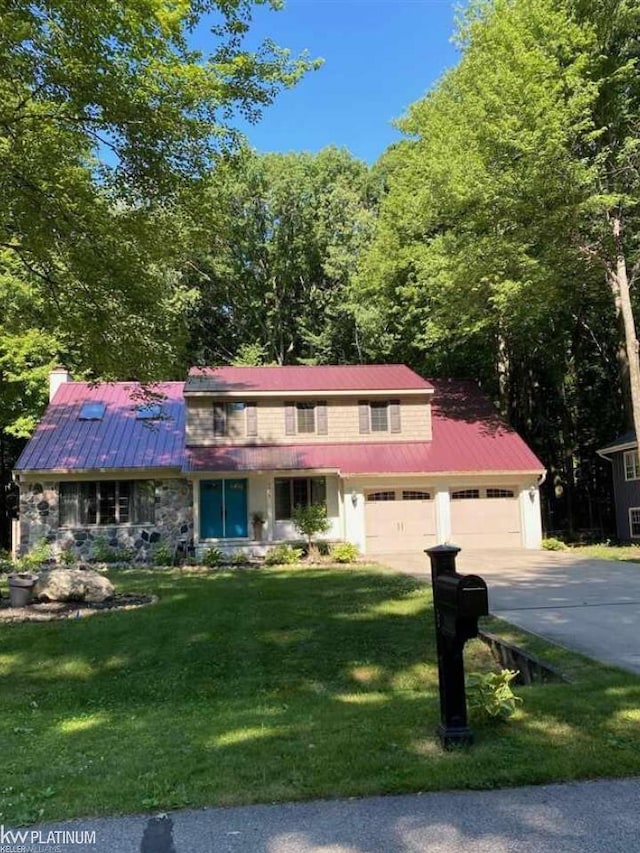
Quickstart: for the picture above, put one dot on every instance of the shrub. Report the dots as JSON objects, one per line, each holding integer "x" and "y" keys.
{"x": 491, "y": 693}
{"x": 162, "y": 555}
{"x": 6, "y": 564}
{"x": 283, "y": 554}
{"x": 553, "y": 544}
{"x": 212, "y": 557}
{"x": 238, "y": 558}
{"x": 67, "y": 555}
{"x": 102, "y": 552}
{"x": 38, "y": 555}
{"x": 344, "y": 552}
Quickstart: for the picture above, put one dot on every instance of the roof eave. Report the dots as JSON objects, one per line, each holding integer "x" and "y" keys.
{"x": 607, "y": 452}
{"x": 156, "y": 470}
{"x": 328, "y": 392}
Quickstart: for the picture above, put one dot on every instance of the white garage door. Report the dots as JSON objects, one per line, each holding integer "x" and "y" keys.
{"x": 485, "y": 518}
{"x": 399, "y": 519}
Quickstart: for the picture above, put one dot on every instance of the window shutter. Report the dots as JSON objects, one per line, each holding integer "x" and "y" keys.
{"x": 252, "y": 419}
{"x": 289, "y": 419}
{"x": 363, "y": 407}
{"x": 394, "y": 416}
{"x": 219, "y": 419}
{"x": 321, "y": 418}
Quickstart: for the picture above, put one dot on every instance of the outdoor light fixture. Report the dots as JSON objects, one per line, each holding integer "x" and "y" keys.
{"x": 532, "y": 493}
{"x": 354, "y": 499}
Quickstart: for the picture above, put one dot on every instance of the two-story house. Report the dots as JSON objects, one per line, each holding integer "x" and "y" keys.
{"x": 400, "y": 463}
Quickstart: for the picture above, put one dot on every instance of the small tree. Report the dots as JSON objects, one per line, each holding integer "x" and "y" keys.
{"x": 311, "y": 520}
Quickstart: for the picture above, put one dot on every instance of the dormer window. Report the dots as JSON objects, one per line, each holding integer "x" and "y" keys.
{"x": 379, "y": 413}
{"x": 306, "y": 417}
{"x": 229, "y": 418}
{"x": 92, "y": 412}
{"x": 379, "y": 416}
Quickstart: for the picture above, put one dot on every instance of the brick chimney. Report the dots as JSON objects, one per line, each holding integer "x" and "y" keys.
{"x": 57, "y": 377}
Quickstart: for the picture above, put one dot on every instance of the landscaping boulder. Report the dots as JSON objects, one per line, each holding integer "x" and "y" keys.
{"x": 73, "y": 585}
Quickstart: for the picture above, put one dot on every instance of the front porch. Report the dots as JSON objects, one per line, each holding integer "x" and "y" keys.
{"x": 251, "y": 513}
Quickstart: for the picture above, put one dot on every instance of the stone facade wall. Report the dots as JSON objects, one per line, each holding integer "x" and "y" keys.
{"x": 39, "y": 519}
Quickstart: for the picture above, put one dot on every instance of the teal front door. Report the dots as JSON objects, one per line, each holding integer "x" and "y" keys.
{"x": 223, "y": 509}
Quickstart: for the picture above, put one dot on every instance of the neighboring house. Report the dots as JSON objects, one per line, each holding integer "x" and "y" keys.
{"x": 400, "y": 463}
{"x": 625, "y": 468}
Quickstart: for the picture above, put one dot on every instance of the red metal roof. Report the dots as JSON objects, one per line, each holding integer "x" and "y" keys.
{"x": 298, "y": 378}
{"x": 467, "y": 437}
{"x": 63, "y": 442}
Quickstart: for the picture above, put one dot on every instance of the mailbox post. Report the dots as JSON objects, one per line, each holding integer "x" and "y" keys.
{"x": 458, "y": 600}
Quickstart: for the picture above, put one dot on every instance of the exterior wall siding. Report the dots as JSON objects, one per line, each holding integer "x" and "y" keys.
{"x": 626, "y": 493}
{"x": 39, "y": 519}
{"x": 342, "y": 423}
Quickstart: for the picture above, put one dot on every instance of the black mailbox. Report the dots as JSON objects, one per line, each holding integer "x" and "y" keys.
{"x": 459, "y": 601}
{"x": 466, "y": 594}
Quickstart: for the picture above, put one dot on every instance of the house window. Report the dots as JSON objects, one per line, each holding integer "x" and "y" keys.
{"x": 500, "y": 493}
{"x": 379, "y": 416}
{"x": 379, "y": 413}
{"x": 227, "y": 418}
{"x": 415, "y": 495}
{"x": 306, "y": 417}
{"x": 378, "y": 497}
{"x": 107, "y": 502}
{"x": 634, "y": 522}
{"x": 465, "y": 495}
{"x": 291, "y": 492}
{"x": 631, "y": 465}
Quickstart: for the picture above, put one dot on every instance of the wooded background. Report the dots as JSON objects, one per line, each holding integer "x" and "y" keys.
{"x": 499, "y": 240}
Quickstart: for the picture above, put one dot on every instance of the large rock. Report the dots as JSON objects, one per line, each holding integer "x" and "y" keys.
{"x": 72, "y": 585}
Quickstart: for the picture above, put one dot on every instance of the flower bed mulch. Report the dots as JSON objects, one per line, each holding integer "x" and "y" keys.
{"x": 47, "y": 611}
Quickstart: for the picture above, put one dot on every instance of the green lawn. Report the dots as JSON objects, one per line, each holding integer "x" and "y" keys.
{"x": 629, "y": 553}
{"x": 274, "y": 684}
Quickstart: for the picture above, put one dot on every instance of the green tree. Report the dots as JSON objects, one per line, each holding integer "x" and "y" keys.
{"x": 497, "y": 226}
{"x": 107, "y": 119}
{"x": 310, "y": 521}
{"x": 106, "y": 115}
{"x": 280, "y": 235}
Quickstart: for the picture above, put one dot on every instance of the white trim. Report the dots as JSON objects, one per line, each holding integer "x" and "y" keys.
{"x": 530, "y": 517}
{"x": 443, "y": 515}
{"x": 631, "y": 534}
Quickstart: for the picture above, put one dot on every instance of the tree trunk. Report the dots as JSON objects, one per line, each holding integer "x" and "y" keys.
{"x": 503, "y": 369}
{"x": 619, "y": 283}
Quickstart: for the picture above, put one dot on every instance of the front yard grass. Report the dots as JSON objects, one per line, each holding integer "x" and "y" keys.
{"x": 628, "y": 553}
{"x": 275, "y": 684}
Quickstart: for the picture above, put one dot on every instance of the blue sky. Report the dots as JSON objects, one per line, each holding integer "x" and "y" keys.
{"x": 380, "y": 56}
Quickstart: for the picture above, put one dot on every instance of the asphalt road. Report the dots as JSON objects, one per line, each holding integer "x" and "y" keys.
{"x": 586, "y": 817}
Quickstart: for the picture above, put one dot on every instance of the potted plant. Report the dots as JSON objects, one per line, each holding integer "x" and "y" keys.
{"x": 258, "y": 522}
{"x": 24, "y": 578}
{"x": 21, "y": 586}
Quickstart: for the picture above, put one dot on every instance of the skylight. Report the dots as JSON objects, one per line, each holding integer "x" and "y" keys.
{"x": 92, "y": 412}
{"x": 148, "y": 411}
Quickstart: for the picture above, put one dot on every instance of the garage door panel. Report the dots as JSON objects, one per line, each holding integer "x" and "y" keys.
{"x": 486, "y": 523}
{"x": 399, "y": 525}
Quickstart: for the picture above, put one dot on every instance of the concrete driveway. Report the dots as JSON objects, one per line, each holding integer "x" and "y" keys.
{"x": 589, "y": 605}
